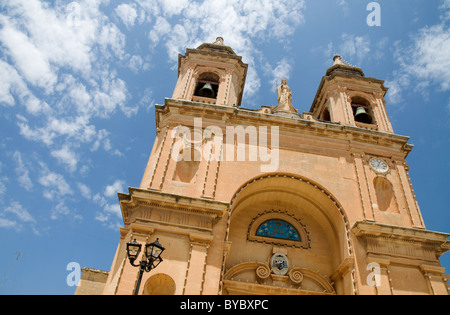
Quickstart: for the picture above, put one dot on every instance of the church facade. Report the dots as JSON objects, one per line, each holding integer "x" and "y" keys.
{"x": 271, "y": 201}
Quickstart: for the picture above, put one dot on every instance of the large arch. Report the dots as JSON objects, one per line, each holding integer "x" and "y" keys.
{"x": 290, "y": 198}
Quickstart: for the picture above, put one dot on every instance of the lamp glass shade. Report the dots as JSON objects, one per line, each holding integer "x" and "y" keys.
{"x": 133, "y": 250}
{"x": 157, "y": 262}
{"x": 153, "y": 250}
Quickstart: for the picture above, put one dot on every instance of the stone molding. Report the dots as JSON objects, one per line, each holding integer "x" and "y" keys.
{"x": 144, "y": 206}
{"x": 266, "y": 282}
{"x": 357, "y": 137}
{"x": 402, "y": 244}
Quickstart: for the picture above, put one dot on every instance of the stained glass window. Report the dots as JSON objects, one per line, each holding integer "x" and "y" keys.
{"x": 278, "y": 229}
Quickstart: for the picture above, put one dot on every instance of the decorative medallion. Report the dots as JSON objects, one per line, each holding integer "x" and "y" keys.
{"x": 279, "y": 264}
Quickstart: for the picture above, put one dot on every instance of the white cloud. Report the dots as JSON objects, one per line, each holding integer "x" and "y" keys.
{"x": 3, "y": 180}
{"x": 161, "y": 28}
{"x": 11, "y": 84}
{"x": 3, "y": 185}
{"x": 136, "y": 63}
{"x": 16, "y": 216}
{"x": 354, "y": 47}
{"x": 66, "y": 156}
{"x": 114, "y": 209}
{"x": 424, "y": 62}
{"x": 111, "y": 41}
{"x": 127, "y": 13}
{"x": 173, "y": 7}
{"x": 52, "y": 40}
{"x": 22, "y": 172}
{"x": 111, "y": 210}
{"x": 63, "y": 52}
{"x": 343, "y": 4}
{"x": 445, "y": 7}
{"x": 55, "y": 183}
{"x": 114, "y": 188}
{"x": 32, "y": 63}
{"x": 101, "y": 140}
{"x": 428, "y": 58}
{"x": 61, "y": 209}
{"x": 85, "y": 190}
{"x": 22, "y": 214}
{"x": 6, "y": 223}
{"x": 281, "y": 71}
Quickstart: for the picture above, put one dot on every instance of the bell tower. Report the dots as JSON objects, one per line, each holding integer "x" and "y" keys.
{"x": 348, "y": 97}
{"x": 211, "y": 73}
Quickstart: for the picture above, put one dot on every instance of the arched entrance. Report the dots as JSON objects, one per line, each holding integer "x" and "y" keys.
{"x": 287, "y": 235}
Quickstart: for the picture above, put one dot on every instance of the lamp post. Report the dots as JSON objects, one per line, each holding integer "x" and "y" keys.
{"x": 152, "y": 259}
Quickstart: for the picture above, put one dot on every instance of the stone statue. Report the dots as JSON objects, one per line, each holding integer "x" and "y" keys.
{"x": 284, "y": 98}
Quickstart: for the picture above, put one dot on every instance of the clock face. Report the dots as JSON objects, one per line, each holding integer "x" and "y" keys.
{"x": 379, "y": 165}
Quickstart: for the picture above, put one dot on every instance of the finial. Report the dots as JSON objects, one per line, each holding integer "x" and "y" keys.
{"x": 219, "y": 41}
{"x": 338, "y": 60}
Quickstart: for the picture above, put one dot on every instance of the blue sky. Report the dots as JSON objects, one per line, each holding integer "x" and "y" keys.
{"x": 79, "y": 81}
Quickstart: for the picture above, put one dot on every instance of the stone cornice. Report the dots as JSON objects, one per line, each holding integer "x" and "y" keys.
{"x": 141, "y": 203}
{"x": 376, "y": 229}
{"x": 223, "y": 116}
{"x": 412, "y": 242}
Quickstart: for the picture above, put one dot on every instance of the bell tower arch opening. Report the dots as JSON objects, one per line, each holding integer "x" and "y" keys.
{"x": 207, "y": 85}
{"x": 325, "y": 116}
{"x": 362, "y": 110}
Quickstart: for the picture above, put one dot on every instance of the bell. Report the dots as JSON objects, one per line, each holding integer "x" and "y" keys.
{"x": 207, "y": 91}
{"x": 362, "y": 116}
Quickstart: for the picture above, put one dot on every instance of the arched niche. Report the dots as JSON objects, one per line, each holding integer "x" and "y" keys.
{"x": 295, "y": 200}
{"x": 160, "y": 284}
{"x": 187, "y": 168}
{"x": 325, "y": 115}
{"x": 385, "y": 194}
{"x": 188, "y": 156}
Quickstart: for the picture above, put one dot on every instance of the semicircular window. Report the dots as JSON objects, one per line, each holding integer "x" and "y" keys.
{"x": 278, "y": 229}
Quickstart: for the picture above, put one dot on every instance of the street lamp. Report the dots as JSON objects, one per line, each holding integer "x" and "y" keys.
{"x": 152, "y": 259}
